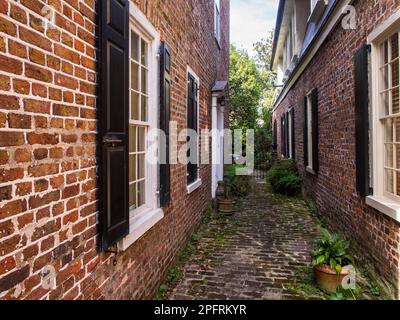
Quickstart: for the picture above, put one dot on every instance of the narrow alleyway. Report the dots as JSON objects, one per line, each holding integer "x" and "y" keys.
{"x": 262, "y": 252}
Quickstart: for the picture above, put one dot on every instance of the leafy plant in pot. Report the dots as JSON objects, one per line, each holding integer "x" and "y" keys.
{"x": 226, "y": 203}
{"x": 331, "y": 262}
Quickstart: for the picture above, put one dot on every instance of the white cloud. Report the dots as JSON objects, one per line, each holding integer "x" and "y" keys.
{"x": 251, "y": 20}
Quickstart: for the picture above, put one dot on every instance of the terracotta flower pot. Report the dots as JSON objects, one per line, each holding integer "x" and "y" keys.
{"x": 226, "y": 206}
{"x": 327, "y": 278}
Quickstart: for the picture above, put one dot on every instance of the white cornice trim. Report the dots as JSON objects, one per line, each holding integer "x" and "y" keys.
{"x": 385, "y": 28}
{"x": 334, "y": 19}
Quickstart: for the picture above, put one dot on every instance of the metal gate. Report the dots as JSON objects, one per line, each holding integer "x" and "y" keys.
{"x": 263, "y": 154}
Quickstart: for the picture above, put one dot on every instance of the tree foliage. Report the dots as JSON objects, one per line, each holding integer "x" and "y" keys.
{"x": 263, "y": 59}
{"x": 245, "y": 90}
{"x": 251, "y": 94}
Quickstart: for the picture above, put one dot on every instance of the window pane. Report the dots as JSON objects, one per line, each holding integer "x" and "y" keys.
{"x": 397, "y": 129}
{"x": 134, "y": 76}
{"x": 135, "y": 46}
{"x": 394, "y": 45}
{"x": 389, "y": 181}
{"x": 141, "y": 166}
{"x": 141, "y": 139}
{"x": 397, "y": 147}
{"x": 132, "y": 168}
{"x": 144, "y": 81}
{"x": 389, "y": 155}
{"x": 397, "y": 183}
{"x": 385, "y": 104}
{"x": 132, "y": 196}
{"x": 141, "y": 193}
{"x": 385, "y": 52}
{"x": 132, "y": 139}
{"x": 395, "y": 101}
{"x": 385, "y": 78}
{"x": 144, "y": 53}
{"x": 389, "y": 130}
{"x": 135, "y": 106}
{"x": 395, "y": 73}
{"x": 144, "y": 109}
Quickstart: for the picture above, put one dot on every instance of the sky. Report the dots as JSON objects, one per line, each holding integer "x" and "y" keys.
{"x": 250, "y": 21}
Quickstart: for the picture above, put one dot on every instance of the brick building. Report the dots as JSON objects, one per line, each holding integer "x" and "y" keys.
{"x": 83, "y": 215}
{"x": 337, "y": 114}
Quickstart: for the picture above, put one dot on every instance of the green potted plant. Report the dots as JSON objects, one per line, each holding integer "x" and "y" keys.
{"x": 226, "y": 203}
{"x": 330, "y": 261}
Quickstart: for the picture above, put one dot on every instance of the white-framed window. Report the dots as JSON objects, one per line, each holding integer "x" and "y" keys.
{"x": 309, "y": 133}
{"x": 143, "y": 116}
{"x": 385, "y": 117}
{"x": 217, "y": 21}
{"x": 389, "y": 113}
{"x": 138, "y": 119}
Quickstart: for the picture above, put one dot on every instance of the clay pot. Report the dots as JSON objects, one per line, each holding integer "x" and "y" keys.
{"x": 226, "y": 206}
{"x": 327, "y": 278}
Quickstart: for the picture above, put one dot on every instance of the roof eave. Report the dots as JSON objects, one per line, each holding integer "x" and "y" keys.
{"x": 278, "y": 25}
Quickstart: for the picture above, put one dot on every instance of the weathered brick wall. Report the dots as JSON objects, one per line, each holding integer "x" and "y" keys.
{"x": 334, "y": 189}
{"x": 48, "y": 165}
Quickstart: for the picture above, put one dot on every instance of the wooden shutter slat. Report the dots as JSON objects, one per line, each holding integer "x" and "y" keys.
{"x": 165, "y": 114}
{"x": 315, "y": 133}
{"x": 114, "y": 104}
{"x": 362, "y": 120}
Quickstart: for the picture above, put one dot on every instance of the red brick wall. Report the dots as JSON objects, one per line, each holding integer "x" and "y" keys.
{"x": 48, "y": 167}
{"x": 334, "y": 189}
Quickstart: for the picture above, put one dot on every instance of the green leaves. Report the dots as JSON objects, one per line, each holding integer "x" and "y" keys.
{"x": 284, "y": 178}
{"x": 245, "y": 90}
{"x": 331, "y": 251}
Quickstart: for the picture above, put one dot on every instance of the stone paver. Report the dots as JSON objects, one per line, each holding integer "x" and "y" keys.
{"x": 259, "y": 253}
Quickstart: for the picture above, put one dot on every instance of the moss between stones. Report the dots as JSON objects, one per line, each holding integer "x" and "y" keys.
{"x": 214, "y": 227}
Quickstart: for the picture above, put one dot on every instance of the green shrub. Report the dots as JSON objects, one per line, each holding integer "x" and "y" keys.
{"x": 284, "y": 178}
{"x": 240, "y": 186}
{"x": 289, "y": 185}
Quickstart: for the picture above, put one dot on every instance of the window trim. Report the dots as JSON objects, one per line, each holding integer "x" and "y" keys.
{"x": 381, "y": 201}
{"x": 142, "y": 220}
{"x": 197, "y": 183}
{"x": 317, "y": 8}
{"x": 310, "y": 144}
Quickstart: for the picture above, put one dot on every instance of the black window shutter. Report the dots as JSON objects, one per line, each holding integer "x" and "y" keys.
{"x": 165, "y": 113}
{"x": 305, "y": 142}
{"x": 114, "y": 100}
{"x": 362, "y": 120}
{"x": 315, "y": 134}
{"x": 287, "y": 135}
{"x": 192, "y": 123}
{"x": 293, "y": 134}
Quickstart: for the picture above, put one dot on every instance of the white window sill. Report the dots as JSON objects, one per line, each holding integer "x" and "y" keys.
{"x": 385, "y": 205}
{"x": 139, "y": 225}
{"x": 194, "y": 186}
{"x": 311, "y": 171}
